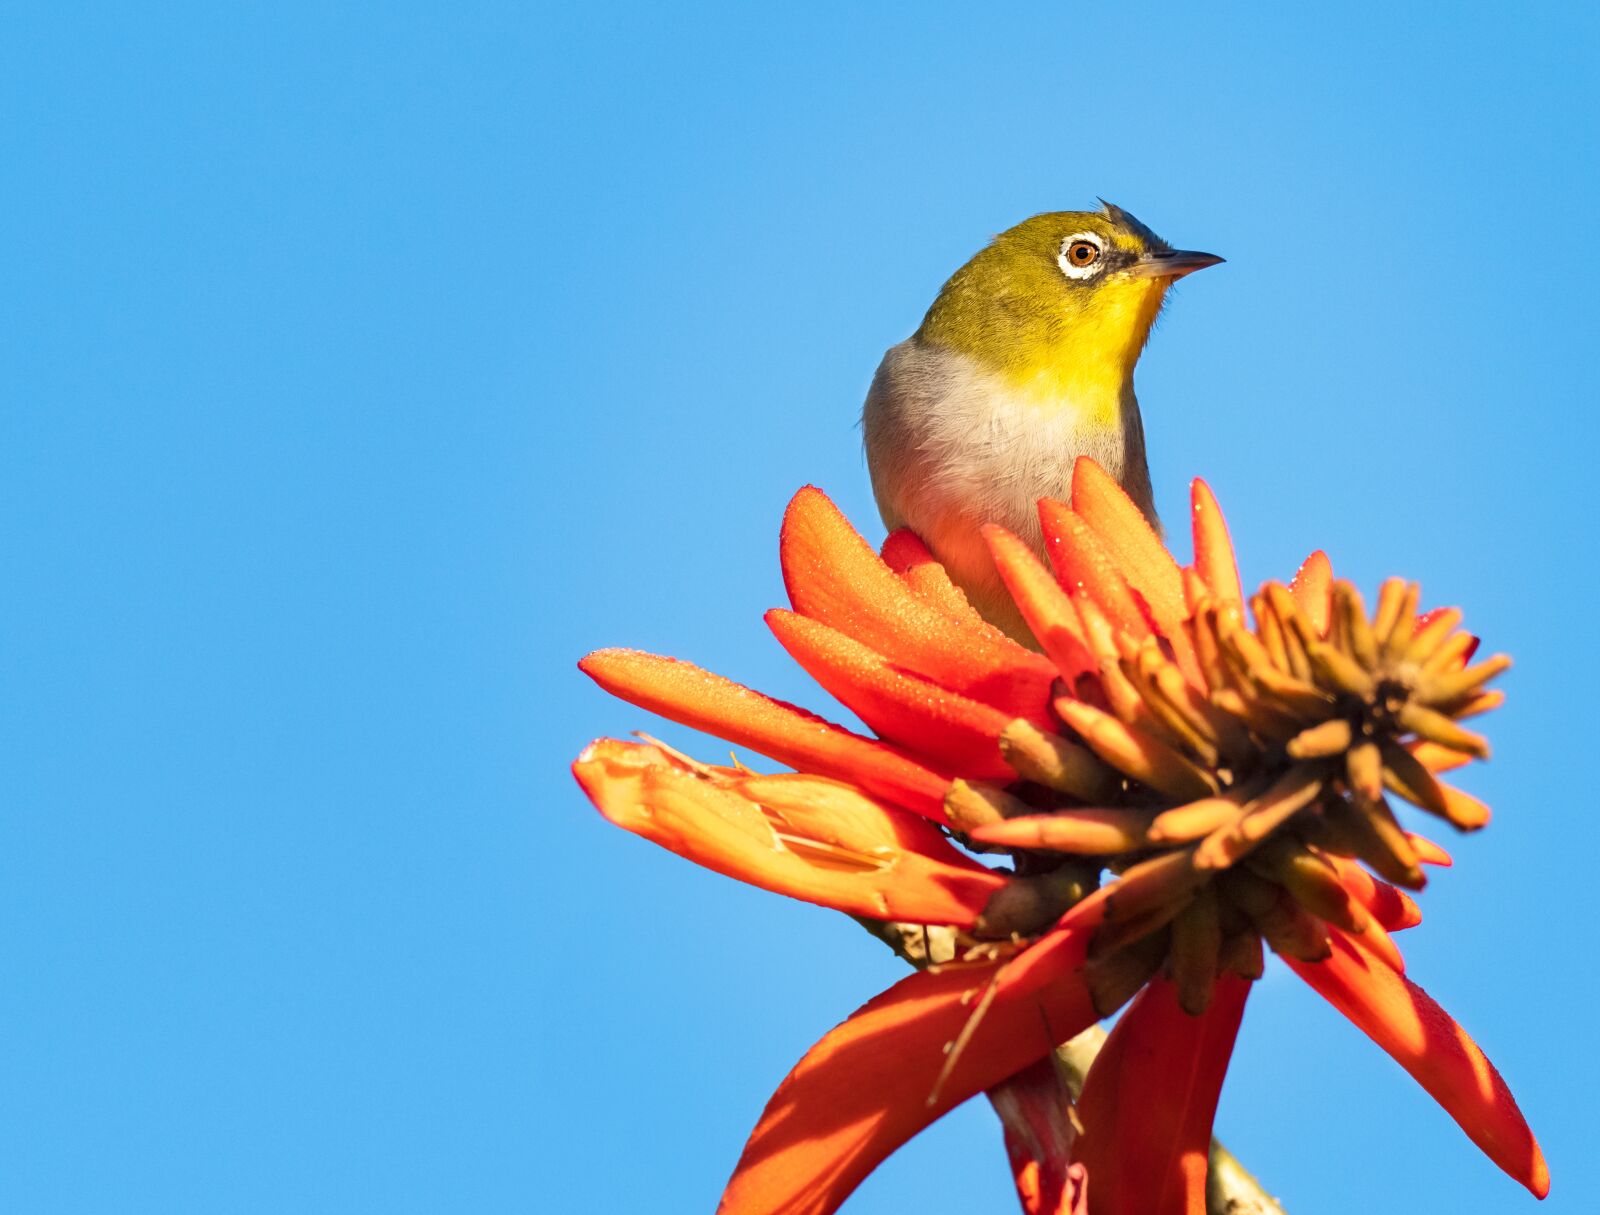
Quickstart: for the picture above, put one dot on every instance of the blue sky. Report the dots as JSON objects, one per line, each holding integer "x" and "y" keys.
{"x": 362, "y": 369}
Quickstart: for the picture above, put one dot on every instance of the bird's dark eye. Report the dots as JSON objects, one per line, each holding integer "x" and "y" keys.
{"x": 1081, "y": 253}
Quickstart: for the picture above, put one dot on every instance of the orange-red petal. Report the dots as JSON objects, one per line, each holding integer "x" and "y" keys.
{"x": 1130, "y": 540}
{"x": 1377, "y": 942}
{"x": 1138, "y": 553}
{"x": 1420, "y": 1036}
{"x": 1312, "y": 587}
{"x": 1437, "y": 759}
{"x": 906, "y": 554}
{"x": 799, "y": 835}
{"x": 833, "y": 575}
{"x": 959, "y": 735}
{"x": 1043, "y": 604}
{"x": 1213, "y": 549}
{"x": 694, "y": 697}
{"x": 1392, "y": 907}
{"x": 1149, "y": 1100}
{"x": 1034, "y": 1108}
{"x": 865, "y": 1088}
{"x": 1081, "y": 562}
{"x": 1428, "y": 852}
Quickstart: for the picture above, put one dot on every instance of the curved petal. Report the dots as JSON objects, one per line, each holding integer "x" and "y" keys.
{"x": 961, "y": 735}
{"x": 696, "y": 698}
{"x": 1213, "y": 549}
{"x": 1437, "y": 759}
{"x": 1428, "y": 852}
{"x": 1392, "y": 907}
{"x": 1422, "y": 1038}
{"x": 1135, "y": 752}
{"x": 1081, "y": 562}
{"x": 833, "y": 575}
{"x": 1149, "y": 1100}
{"x": 799, "y": 835}
{"x": 1312, "y": 588}
{"x": 1144, "y": 561}
{"x": 906, "y": 554}
{"x": 890, "y": 1070}
{"x": 1044, "y": 605}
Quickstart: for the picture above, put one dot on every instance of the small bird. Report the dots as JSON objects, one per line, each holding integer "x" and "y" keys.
{"x": 1024, "y": 363}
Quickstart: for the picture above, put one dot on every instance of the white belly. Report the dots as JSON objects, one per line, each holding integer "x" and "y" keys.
{"x": 950, "y": 447}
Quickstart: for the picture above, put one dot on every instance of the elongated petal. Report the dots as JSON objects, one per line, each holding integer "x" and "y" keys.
{"x": 803, "y": 836}
{"x": 1149, "y": 1100}
{"x": 1389, "y": 905}
{"x": 884, "y": 1074}
{"x": 833, "y": 576}
{"x": 1145, "y": 563}
{"x": 906, "y": 554}
{"x": 694, "y": 697}
{"x": 1428, "y": 852}
{"x": 957, "y": 734}
{"x": 1312, "y": 587}
{"x": 1420, "y": 1036}
{"x": 1439, "y": 759}
{"x": 1081, "y": 563}
{"x": 1136, "y": 752}
{"x": 1377, "y": 941}
{"x": 1034, "y": 1108}
{"x": 1042, "y": 602}
{"x": 1129, "y": 538}
{"x": 1213, "y": 549}
{"x": 1090, "y": 831}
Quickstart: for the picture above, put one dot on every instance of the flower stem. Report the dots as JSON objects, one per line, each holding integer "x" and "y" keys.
{"x": 1231, "y": 1190}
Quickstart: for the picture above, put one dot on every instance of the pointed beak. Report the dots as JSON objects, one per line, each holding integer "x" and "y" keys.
{"x": 1173, "y": 263}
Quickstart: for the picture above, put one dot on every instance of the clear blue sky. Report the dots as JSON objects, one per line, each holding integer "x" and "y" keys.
{"x": 362, "y": 369}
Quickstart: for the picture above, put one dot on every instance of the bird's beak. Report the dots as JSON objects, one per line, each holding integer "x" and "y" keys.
{"x": 1172, "y": 263}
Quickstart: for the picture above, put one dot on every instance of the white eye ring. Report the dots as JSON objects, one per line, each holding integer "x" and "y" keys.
{"x": 1081, "y": 269}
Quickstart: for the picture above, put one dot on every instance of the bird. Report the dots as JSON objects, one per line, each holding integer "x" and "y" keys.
{"x": 1023, "y": 363}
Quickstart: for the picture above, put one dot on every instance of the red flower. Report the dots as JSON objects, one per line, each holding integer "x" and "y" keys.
{"x": 1228, "y": 777}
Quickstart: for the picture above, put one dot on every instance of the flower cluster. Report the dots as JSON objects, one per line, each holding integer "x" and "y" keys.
{"x": 1178, "y": 775}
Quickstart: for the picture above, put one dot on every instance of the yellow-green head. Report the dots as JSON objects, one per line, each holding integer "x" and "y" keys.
{"x": 1061, "y": 305}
